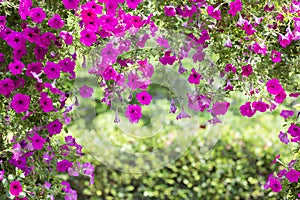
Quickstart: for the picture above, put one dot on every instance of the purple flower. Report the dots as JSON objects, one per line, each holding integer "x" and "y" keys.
{"x": 274, "y": 87}
{"x": 16, "y": 40}
{"x": 71, "y": 4}
{"x": 214, "y": 13}
{"x": 167, "y": 58}
{"x": 283, "y": 137}
{"x": 170, "y": 11}
{"x": 294, "y": 130}
{"x": 20, "y": 103}
{"x": 182, "y": 114}
{"x": 38, "y": 142}
{"x": 220, "y": 108}
{"x": 46, "y": 103}
{"x": 15, "y": 188}
{"x": 56, "y": 22}
{"x": 37, "y": 15}
{"x": 293, "y": 176}
{"x": 248, "y": 28}
{"x": 275, "y": 185}
{"x": 133, "y": 3}
{"x": 280, "y": 97}
{"x": 235, "y": 6}
{"x": 144, "y": 98}
{"x": 133, "y": 113}
{"x": 40, "y": 52}
{"x": 285, "y": 40}
{"x": 34, "y": 67}
{"x": 67, "y": 37}
{"x": 260, "y": 106}
{"x": 230, "y": 67}
{"x": 276, "y": 56}
{"x": 67, "y": 65}
{"x": 133, "y": 81}
{"x": 246, "y": 110}
{"x": 16, "y": 67}
{"x": 63, "y": 166}
{"x": 260, "y": 48}
{"x": 247, "y": 70}
{"x": 52, "y": 70}
{"x": 6, "y": 86}
{"x": 54, "y": 127}
{"x": 194, "y": 77}
{"x": 87, "y": 37}
{"x": 173, "y": 107}
{"x": 287, "y": 113}
{"x": 86, "y": 92}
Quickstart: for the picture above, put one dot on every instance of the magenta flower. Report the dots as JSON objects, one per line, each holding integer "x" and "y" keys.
{"x": 87, "y": 37}
{"x": 6, "y": 86}
{"x": 275, "y": 185}
{"x": 199, "y": 55}
{"x": 182, "y": 114}
{"x": 214, "y": 13}
{"x": 24, "y": 8}
{"x": 194, "y": 77}
{"x": 285, "y": 40}
{"x": 274, "y": 87}
{"x": 293, "y": 176}
{"x": 247, "y": 70}
{"x": 56, "y": 22}
{"x": 67, "y": 65}
{"x": 86, "y": 92}
{"x": 228, "y": 43}
{"x": 172, "y": 106}
{"x": 20, "y": 103}
{"x": 170, "y": 11}
{"x": 230, "y": 67}
{"x": 15, "y": 188}
{"x": 163, "y": 42}
{"x": 38, "y": 142}
{"x": 276, "y": 56}
{"x": 220, "y": 108}
{"x": 260, "y": 106}
{"x": 37, "y": 15}
{"x": 167, "y": 58}
{"x": 144, "y": 98}
{"x": 248, "y": 28}
{"x": 260, "y": 48}
{"x": 280, "y": 97}
{"x": 133, "y": 113}
{"x": 34, "y": 67}
{"x": 246, "y": 110}
{"x": 54, "y": 127}
{"x": 287, "y": 113}
{"x": 134, "y": 81}
{"x": 294, "y": 130}
{"x": 110, "y": 74}
{"x": 70, "y": 4}
{"x": 46, "y": 103}
{"x": 235, "y": 6}
{"x": 133, "y": 3}
{"x": 67, "y": 37}
{"x": 40, "y": 52}
{"x": 52, "y": 70}
{"x": 16, "y": 40}
{"x": 283, "y": 137}
{"x": 63, "y": 166}
{"x": 16, "y": 67}
{"x": 204, "y": 36}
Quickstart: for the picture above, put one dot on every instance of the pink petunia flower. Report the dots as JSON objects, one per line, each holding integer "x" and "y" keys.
{"x": 70, "y": 4}
{"x": 144, "y": 98}
{"x": 52, "y": 70}
{"x": 6, "y": 86}
{"x": 54, "y": 127}
{"x": 15, "y": 188}
{"x": 235, "y": 7}
{"x": 247, "y": 70}
{"x": 20, "y": 103}
{"x": 194, "y": 77}
{"x": 86, "y": 92}
{"x": 37, "y": 142}
{"x": 56, "y": 22}
{"x": 133, "y": 113}
{"x": 37, "y": 15}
